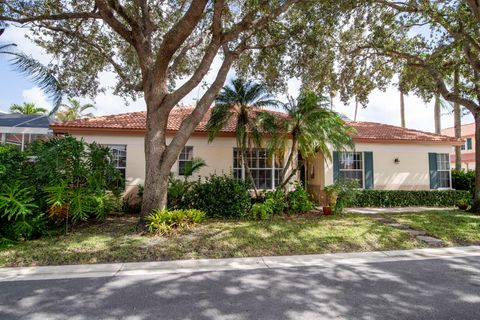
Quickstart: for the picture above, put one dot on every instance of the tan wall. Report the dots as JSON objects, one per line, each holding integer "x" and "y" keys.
{"x": 218, "y": 154}
{"x": 412, "y": 173}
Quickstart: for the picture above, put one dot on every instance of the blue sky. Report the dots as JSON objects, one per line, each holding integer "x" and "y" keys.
{"x": 383, "y": 106}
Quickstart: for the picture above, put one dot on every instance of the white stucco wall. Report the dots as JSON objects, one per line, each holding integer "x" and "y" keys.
{"x": 412, "y": 173}
{"x": 218, "y": 154}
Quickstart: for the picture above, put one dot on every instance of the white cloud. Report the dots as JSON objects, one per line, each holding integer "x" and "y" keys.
{"x": 37, "y": 96}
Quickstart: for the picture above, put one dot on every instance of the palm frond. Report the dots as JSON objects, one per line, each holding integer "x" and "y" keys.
{"x": 36, "y": 71}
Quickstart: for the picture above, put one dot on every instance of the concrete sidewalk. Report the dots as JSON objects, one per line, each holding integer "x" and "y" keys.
{"x": 233, "y": 264}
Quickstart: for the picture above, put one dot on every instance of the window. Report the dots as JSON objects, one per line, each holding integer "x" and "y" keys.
{"x": 265, "y": 170}
{"x": 469, "y": 143}
{"x": 119, "y": 157}
{"x": 351, "y": 167}
{"x": 443, "y": 170}
{"x": 186, "y": 156}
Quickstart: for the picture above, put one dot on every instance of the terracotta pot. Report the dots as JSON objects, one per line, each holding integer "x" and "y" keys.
{"x": 462, "y": 206}
{"x": 327, "y": 210}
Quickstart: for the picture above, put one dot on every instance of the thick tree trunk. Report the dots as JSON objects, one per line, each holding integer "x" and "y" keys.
{"x": 437, "y": 114}
{"x": 402, "y": 110}
{"x": 156, "y": 176}
{"x": 457, "y": 117}
{"x": 476, "y": 197}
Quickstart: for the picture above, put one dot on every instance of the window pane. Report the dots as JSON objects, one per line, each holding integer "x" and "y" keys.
{"x": 352, "y": 175}
{"x": 260, "y": 166}
{"x": 443, "y": 179}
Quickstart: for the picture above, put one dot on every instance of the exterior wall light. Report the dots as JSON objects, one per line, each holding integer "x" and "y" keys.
{"x": 396, "y": 161}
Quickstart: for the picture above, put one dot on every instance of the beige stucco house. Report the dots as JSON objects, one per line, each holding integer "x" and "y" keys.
{"x": 385, "y": 157}
{"x": 467, "y": 149}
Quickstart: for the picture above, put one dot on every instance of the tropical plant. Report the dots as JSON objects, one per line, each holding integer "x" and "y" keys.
{"x": 299, "y": 200}
{"x": 74, "y": 110}
{"x": 165, "y": 221}
{"x": 192, "y": 167}
{"x": 240, "y": 102}
{"x": 309, "y": 128}
{"x": 27, "y": 108}
{"x": 34, "y": 70}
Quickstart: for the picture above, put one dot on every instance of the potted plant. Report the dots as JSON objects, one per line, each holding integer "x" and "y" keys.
{"x": 331, "y": 193}
{"x": 462, "y": 204}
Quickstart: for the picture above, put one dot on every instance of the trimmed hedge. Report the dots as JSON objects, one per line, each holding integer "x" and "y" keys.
{"x": 403, "y": 198}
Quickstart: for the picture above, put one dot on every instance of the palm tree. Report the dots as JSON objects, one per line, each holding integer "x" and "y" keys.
{"x": 33, "y": 69}
{"x": 75, "y": 110}
{"x": 308, "y": 128}
{"x": 27, "y": 108}
{"x": 241, "y": 100}
{"x": 193, "y": 166}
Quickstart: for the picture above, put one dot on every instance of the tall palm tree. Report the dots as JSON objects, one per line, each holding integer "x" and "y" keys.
{"x": 241, "y": 100}
{"x": 27, "y": 108}
{"x": 308, "y": 128}
{"x": 74, "y": 110}
{"x": 34, "y": 70}
{"x": 402, "y": 109}
{"x": 437, "y": 114}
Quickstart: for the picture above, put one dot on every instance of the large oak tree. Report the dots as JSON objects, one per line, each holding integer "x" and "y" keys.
{"x": 161, "y": 50}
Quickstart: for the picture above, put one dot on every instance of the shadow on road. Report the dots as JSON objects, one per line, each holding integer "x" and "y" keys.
{"x": 426, "y": 289}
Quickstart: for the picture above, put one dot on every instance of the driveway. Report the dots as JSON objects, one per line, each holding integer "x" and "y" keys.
{"x": 421, "y": 284}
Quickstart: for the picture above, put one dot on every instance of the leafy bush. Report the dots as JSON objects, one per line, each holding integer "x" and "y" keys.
{"x": 165, "y": 221}
{"x": 276, "y": 200}
{"x": 343, "y": 192}
{"x": 65, "y": 178}
{"x": 219, "y": 196}
{"x": 299, "y": 200}
{"x": 463, "y": 180}
{"x": 177, "y": 193}
{"x": 261, "y": 211}
{"x": 19, "y": 213}
{"x": 403, "y": 198}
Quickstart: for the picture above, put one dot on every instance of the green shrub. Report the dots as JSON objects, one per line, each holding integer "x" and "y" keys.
{"x": 177, "y": 193}
{"x": 277, "y": 201}
{"x": 219, "y": 196}
{"x": 165, "y": 221}
{"x": 299, "y": 201}
{"x": 19, "y": 215}
{"x": 404, "y": 198}
{"x": 345, "y": 192}
{"x": 463, "y": 180}
{"x": 261, "y": 211}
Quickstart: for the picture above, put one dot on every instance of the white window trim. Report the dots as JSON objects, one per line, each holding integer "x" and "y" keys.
{"x": 356, "y": 170}
{"x": 447, "y": 170}
{"x": 273, "y": 166}
{"x": 182, "y": 160}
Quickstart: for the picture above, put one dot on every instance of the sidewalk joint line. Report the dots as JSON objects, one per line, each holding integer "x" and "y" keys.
{"x": 263, "y": 260}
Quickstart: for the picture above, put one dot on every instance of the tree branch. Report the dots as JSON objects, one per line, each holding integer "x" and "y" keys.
{"x": 176, "y": 36}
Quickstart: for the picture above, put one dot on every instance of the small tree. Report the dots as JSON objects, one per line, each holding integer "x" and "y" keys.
{"x": 27, "y": 108}
{"x": 74, "y": 110}
{"x": 308, "y": 129}
{"x": 241, "y": 102}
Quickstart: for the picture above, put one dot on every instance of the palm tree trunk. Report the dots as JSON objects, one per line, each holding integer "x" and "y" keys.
{"x": 402, "y": 110}
{"x": 289, "y": 165}
{"x": 457, "y": 118}
{"x": 248, "y": 172}
{"x": 356, "y": 110}
{"x": 437, "y": 114}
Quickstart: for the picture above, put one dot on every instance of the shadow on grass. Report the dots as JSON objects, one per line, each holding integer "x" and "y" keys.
{"x": 116, "y": 241}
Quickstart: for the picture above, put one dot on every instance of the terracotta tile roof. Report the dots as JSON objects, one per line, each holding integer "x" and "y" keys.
{"x": 384, "y": 132}
{"x": 366, "y": 131}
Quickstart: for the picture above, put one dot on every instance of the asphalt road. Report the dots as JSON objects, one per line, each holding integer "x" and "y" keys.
{"x": 418, "y": 289}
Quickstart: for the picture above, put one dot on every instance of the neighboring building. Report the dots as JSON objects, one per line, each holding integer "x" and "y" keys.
{"x": 385, "y": 157}
{"x": 20, "y": 129}
{"x": 468, "y": 147}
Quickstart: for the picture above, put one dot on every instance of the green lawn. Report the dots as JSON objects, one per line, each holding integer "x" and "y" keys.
{"x": 454, "y": 227}
{"x": 115, "y": 240}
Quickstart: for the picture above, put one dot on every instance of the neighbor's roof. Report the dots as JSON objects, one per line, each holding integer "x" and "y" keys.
{"x": 24, "y": 121}
{"x": 372, "y": 131}
{"x": 467, "y": 129}
{"x": 136, "y": 122}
